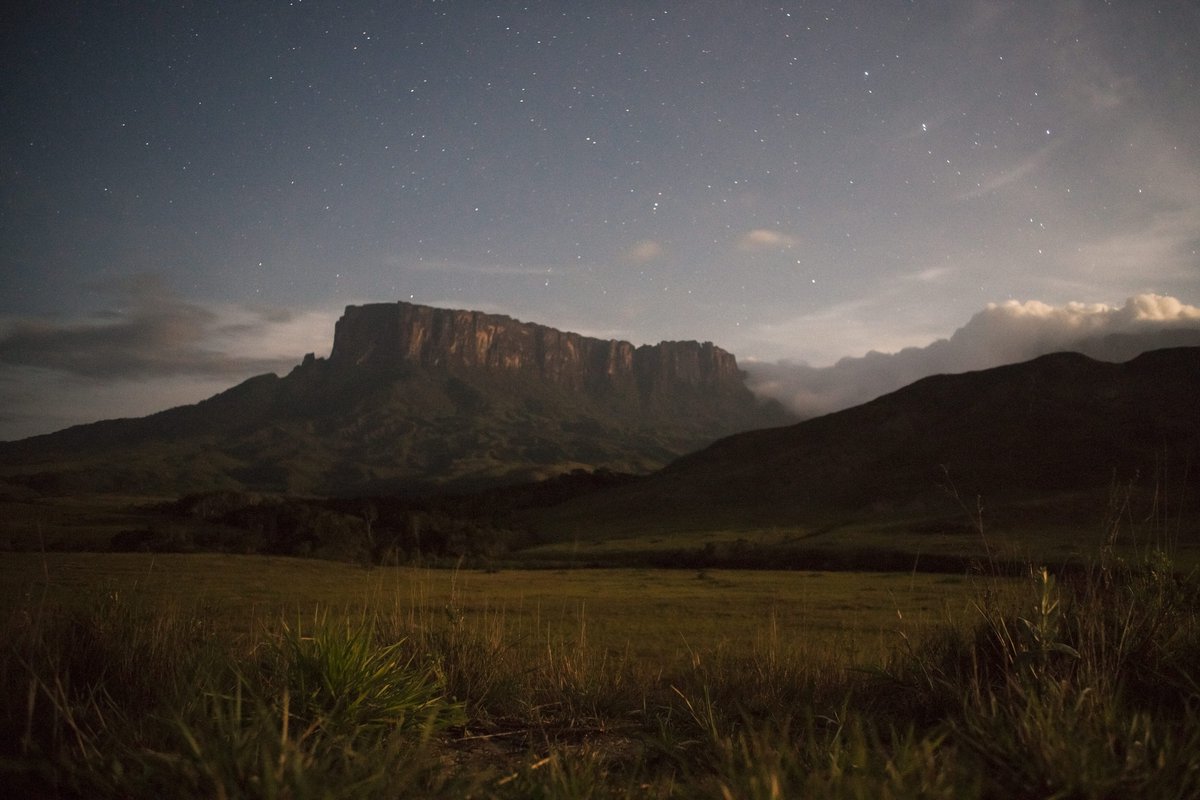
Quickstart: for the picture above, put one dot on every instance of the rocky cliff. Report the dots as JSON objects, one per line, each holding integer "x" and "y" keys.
{"x": 385, "y": 335}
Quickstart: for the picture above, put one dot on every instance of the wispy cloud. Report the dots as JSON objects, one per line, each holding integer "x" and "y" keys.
{"x": 930, "y": 274}
{"x": 766, "y": 239}
{"x": 1014, "y": 173}
{"x": 152, "y": 332}
{"x": 147, "y": 350}
{"x": 484, "y": 269}
{"x": 1166, "y": 243}
{"x": 825, "y": 334}
{"x": 644, "y": 252}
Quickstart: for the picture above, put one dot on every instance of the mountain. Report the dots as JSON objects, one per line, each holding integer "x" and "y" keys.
{"x": 413, "y": 397}
{"x": 1054, "y": 438}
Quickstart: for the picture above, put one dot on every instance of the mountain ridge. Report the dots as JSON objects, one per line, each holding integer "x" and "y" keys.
{"x": 414, "y": 396}
{"x": 1058, "y": 425}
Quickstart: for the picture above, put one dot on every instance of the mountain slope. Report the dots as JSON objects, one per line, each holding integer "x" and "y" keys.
{"x": 1042, "y": 432}
{"x": 413, "y": 397}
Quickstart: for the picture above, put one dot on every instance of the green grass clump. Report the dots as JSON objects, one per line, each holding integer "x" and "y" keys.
{"x": 1088, "y": 690}
{"x": 125, "y": 700}
{"x": 334, "y": 713}
{"x": 342, "y": 681}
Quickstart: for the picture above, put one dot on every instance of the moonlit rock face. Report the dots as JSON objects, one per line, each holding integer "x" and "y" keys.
{"x": 383, "y": 335}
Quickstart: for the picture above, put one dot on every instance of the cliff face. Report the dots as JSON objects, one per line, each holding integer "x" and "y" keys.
{"x": 392, "y": 334}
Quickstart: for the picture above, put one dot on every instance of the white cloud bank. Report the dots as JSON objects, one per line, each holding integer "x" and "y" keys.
{"x": 1002, "y": 333}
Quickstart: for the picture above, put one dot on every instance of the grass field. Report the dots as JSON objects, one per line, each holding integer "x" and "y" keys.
{"x": 86, "y": 522}
{"x": 654, "y": 615}
{"x": 200, "y": 675}
{"x": 1021, "y": 536}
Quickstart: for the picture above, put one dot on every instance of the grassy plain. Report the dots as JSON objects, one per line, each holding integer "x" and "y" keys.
{"x": 82, "y": 522}
{"x": 1067, "y": 530}
{"x": 200, "y": 675}
{"x": 905, "y": 544}
{"x": 659, "y": 616}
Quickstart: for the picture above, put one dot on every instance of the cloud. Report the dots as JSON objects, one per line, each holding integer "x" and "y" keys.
{"x": 1002, "y": 333}
{"x": 486, "y": 270}
{"x": 1166, "y": 241}
{"x": 1029, "y": 165}
{"x": 645, "y": 251}
{"x": 766, "y": 239}
{"x": 930, "y": 274}
{"x": 149, "y": 350}
{"x": 153, "y": 333}
{"x": 868, "y": 322}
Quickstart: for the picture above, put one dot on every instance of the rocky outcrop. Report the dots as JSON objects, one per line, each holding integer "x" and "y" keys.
{"x": 384, "y": 335}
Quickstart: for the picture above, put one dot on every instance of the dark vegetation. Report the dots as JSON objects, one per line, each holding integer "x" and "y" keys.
{"x": 507, "y": 527}
{"x": 499, "y": 528}
{"x": 442, "y": 528}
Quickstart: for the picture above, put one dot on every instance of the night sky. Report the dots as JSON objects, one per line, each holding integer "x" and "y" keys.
{"x": 192, "y": 192}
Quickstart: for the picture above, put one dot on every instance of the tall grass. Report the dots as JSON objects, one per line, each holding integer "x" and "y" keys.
{"x": 1076, "y": 686}
{"x": 128, "y": 700}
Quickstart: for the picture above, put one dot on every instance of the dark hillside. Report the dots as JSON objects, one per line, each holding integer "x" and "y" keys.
{"x": 1056, "y": 427}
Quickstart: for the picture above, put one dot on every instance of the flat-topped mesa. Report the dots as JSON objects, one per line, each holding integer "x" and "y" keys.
{"x": 392, "y": 334}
